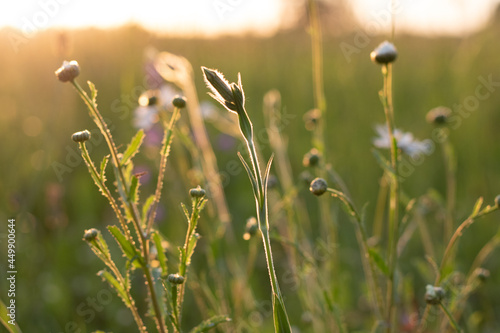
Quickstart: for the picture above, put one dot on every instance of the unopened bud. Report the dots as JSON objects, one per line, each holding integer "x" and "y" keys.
{"x": 438, "y": 116}
{"x": 179, "y": 102}
{"x": 318, "y": 186}
{"x": 175, "y": 278}
{"x": 197, "y": 192}
{"x": 311, "y": 158}
{"x": 68, "y": 71}
{"x": 434, "y": 295}
{"x": 90, "y": 234}
{"x": 384, "y": 53}
{"x": 81, "y": 136}
{"x": 251, "y": 228}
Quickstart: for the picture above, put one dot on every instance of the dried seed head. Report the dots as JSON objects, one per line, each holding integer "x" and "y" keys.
{"x": 179, "y": 102}
{"x": 434, "y": 295}
{"x": 197, "y": 192}
{"x": 90, "y": 234}
{"x": 318, "y": 186}
{"x": 482, "y": 274}
{"x": 497, "y": 201}
{"x": 438, "y": 116}
{"x": 311, "y": 158}
{"x": 251, "y": 228}
{"x": 81, "y": 136}
{"x": 384, "y": 53}
{"x": 68, "y": 71}
{"x": 175, "y": 278}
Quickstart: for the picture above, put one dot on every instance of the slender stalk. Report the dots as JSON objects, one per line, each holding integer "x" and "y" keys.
{"x": 450, "y": 165}
{"x": 167, "y": 141}
{"x": 453, "y": 323}
{"x": 368, "y": 265}
{"x": 393, "y": 228}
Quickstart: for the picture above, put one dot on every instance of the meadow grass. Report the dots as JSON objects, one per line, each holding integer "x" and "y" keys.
{"x": 404, "y": 245}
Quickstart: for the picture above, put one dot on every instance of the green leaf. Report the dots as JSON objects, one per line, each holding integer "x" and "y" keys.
{"x": 186, "y": 212}
{"x": 107, "y": 276}
{"x": 5, "y": 319}
{"x": 477, "y": 206}
{"x": 133, "y": 147}
{"x": 383, "y": 162}
{"x": 161, "y": 252}
{"x": 93, "y": 93}
{"x": 210, "y": 323}
{"x": 281, "y": 323}
{"x": 379, "y": 261}
{"x": 133, "y": 194}
{"x": 191, "y": 245}
{"x": 128, "y": 249}
{"x": 104, "y": 163}
{"x": 256, "y": 191}
{"x": 147, "y": 206}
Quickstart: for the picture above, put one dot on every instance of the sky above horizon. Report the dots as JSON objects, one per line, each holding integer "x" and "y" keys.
{"x": 213, "y": 17}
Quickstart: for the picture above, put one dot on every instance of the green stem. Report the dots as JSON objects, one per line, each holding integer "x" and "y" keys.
{"x": 167, "y": 141}
{"x": 123, "y": 189}
{"x": 453, "y": 323}
{"x": 393, "y": 229}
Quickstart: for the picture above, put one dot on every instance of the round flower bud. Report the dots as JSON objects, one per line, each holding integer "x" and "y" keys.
{"x": 179, "y": 102}
{"x": 482, "y": 274}
{"x": 438, "y": 116}
{"x": 434, "y": 295}
{"x": 81, "y": 136}
{"x": 318, "y": 186}
{"x": 497, "y": 201}
{"x": 311, "y": 158}
{"x": 197, "y": 192}
{"x": 384, "y": 53}
{"x": 251, "y": 228}
{"x": 148, "y": 98}
{"x": 68, "y": 71}
{"x": 90, "y": 234}
{"x": 311, "y": 119}
{"x": 175, "y": 278}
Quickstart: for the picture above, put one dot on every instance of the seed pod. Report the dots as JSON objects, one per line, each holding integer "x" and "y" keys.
{"x": 384, "y": 53}
{"x": 90, "y": 234}
{"x": 318, "y": 186}
{"x": 81, "y": 136}
{"x": 179, "y": 102}
{"x": 175, "y": 278}
{"x": 68, "y": 71}
{"x": 197, "y": 192}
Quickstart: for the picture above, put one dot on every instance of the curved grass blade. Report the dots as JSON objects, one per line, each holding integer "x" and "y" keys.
{"x": 281, "y": 323}
{"x": 210, "y": 323}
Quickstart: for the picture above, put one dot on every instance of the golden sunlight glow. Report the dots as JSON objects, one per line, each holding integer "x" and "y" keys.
{"x": 214, "y": 17}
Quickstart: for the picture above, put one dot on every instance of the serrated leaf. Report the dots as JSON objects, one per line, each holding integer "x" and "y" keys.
{"x": 133, "y": 147}
{"x": 104, "y": 163}
{"x": 281, "y": 322}
{"x": 113, "y": 282}
{"x": 191, "y": 245}
{"x": 186, "y": 212}
{"x": 379, "y": 261}
{"x": 161, "y": 252}
{"x": 256, "y": 191}
{"x": 5, "y": 319}
{"x": 158, "y": 286}
{"x": 133, "y": 194}
{"x": 147, "y": 206}
{"x": 477, "y": 206}
{"x": 208, "y": 324}
{"x": 128, "y": 249}
{"x": 93, "y": 93}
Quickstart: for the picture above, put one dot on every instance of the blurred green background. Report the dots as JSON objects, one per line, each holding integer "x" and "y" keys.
{"x": 38, "y": 114}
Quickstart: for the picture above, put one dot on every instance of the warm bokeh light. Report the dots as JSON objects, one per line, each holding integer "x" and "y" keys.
{"x": 214, "y": 17}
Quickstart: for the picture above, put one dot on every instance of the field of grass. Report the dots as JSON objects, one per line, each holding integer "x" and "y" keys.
{"x": 45, "y": 185}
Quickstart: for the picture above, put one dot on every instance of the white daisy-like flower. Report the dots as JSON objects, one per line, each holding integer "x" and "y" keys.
{"x": 406, "y": 141}
{"x": 145, "y": 117}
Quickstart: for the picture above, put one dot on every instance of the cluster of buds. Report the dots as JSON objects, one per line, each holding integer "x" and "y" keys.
{"x": 197, "y": 192}
{"x": 68, "y": 71}
{"x": 175, "y": 278}
{"x": 81, "y": 136}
